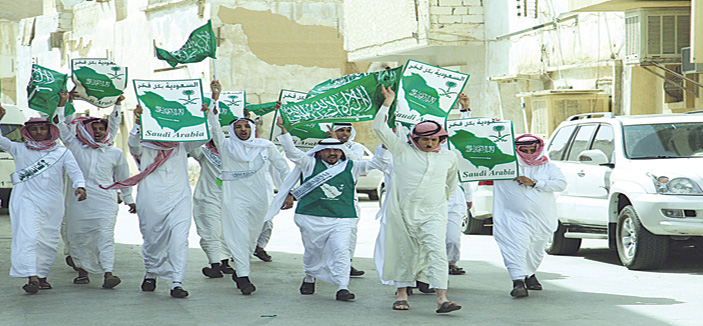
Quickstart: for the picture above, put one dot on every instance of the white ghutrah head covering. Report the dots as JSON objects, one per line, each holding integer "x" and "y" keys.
{"x": 245, "y": 150}
{"x": 339, "y": 125}
{"x": 330, "y": 143}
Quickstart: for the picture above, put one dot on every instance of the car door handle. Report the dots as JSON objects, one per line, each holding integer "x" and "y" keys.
{"x": 581, "y": 174}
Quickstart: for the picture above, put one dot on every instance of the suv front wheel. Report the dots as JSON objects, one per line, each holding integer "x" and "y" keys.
{"x": 638, "y": 248}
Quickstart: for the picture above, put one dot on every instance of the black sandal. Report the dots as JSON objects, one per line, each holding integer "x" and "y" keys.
{"x": 31, "y": 287}
{"x": 44, "y": 285}
{"x": 81, "y": 280}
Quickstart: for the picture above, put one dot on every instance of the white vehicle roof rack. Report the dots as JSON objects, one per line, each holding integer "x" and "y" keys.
{"x": 591, "y": 116}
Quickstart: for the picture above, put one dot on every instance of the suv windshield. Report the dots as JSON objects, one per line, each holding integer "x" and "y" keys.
{"x": 666, "y": 140}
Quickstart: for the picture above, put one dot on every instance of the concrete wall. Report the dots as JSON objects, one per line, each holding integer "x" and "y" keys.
{"x": 8, "y": 61}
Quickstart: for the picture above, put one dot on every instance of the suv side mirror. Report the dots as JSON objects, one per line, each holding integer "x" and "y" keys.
{"x": 593, "y": 157}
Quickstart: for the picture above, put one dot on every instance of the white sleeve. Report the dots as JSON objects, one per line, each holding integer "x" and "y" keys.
{"x": 301, "y": 159}
{"x": 73, "y": 170}
{"x": 134, "y": 141}
{"x": 115, "y": 120}
{"x": 380, "y": 161}
{"x": 122, "y": 173}
{"x": 385, "y": 133}
{"x": 556, "y": 181}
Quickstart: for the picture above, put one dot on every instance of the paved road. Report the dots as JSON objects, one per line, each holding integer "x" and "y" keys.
{"x": 588, "y": 289}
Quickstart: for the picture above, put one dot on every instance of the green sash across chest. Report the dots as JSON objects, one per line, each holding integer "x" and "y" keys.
{"x": 333, "y": 198}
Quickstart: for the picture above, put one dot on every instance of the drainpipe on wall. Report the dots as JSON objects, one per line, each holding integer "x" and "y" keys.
{"x": 618, "y": 71}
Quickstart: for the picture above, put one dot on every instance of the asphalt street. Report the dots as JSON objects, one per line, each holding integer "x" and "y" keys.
{"x": 590, "y": 288}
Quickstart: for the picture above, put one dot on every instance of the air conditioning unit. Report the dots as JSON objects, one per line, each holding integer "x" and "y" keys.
{"x": 656, "y": 34}
{"x": 686, "y": 66}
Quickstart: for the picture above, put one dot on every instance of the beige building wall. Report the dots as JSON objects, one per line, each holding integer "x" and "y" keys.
{"x": 264, "y": 46}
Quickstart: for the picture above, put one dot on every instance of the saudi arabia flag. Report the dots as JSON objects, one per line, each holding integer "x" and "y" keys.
{"x": 201, "y": 44}
{"x": 231, "y": 106}
{"x": 99, "y": 81}
{"x": 172, "y": 110}
{"x": 43, "y": 90}
{"x": 486, "y": 148}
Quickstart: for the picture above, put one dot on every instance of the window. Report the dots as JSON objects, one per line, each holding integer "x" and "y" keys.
{"x": 581, "y": 142}
{"x": 665, "y": 140}
{"x": 604, "y": 141}
{"x": 557, "y": 147}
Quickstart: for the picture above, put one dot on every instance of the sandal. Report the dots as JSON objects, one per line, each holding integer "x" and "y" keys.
{"x": 111, "y": 282}
{"x": 263, "y": 255}
{"x": 44, "y": 285}
{"x": 401, "y": 305}
{"x": 448, "y": 306}
{"x": 32, "y": 287}
{"x": 81, "y": 280}
{"x": 456, "y": 270}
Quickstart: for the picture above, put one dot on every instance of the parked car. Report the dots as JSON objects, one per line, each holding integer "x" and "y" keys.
{"x": 481, "y": 213}
{"x": 633, "y": 180}
{"x": 370, "y": 183}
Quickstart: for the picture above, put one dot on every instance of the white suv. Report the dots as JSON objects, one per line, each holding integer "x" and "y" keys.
{"x": 634, "y": 180}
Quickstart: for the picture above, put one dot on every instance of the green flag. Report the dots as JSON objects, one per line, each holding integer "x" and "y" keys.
{"x": 427, "y": 92}
{"x": 261, "y": 109}
{"x": 486, "y": 147}
{"x": 172, "y": 110}
{"x": 201, "y": 44}
{"x": 43, "y": 89}
{"x": 99, "y": 81}
{"x": 347, "y": 99}
{"x": 231, "y": 106}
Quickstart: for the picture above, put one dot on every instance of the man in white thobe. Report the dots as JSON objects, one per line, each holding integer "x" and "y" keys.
{"x": 247, "y": 191}
{"x": 524, "y": 213}
{"x": 90, "y": 224}
{"x": 37, "y": 199}
{"x": 163, "y": 206}
{"x": 424, "y": 177}
{"x": 326, "y": 213}
{"x": 207, "y": 211}
{"x": 345, "y": 132}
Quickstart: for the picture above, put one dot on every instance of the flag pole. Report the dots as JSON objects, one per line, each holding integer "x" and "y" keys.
{"x": 214, "y": 68}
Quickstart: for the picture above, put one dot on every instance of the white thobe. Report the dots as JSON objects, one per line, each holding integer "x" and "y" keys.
{"x": 457, "y": 211}
{"x": 525, "y": 217}
{"x": 327, "y": 240}
{"x": 36, "y": 209}
{"x": 114, "y": 120}
{"x": 245, "y": 201}
{"x": 164, "y": 209}
{"x": 357, "y": 152}
{"x": 417, "y": 210}
{"x": 207, "y": 209}
{"x": 90, "y": 224}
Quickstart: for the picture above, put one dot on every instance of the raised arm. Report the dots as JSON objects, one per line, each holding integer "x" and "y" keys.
{"x": 115, "y": 118}
{"x": 292, "y": 153}
{"x": 135, "y": 137}
{"x": 5, "y": 143}
{"x": 464, "y": 103}
{"x": 68, "y": 135}
{"x": 384, "y": 132}
{"x": 218, "y": 136}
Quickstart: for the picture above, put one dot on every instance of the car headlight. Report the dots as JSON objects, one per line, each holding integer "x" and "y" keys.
{"x": 675, "y": 186}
